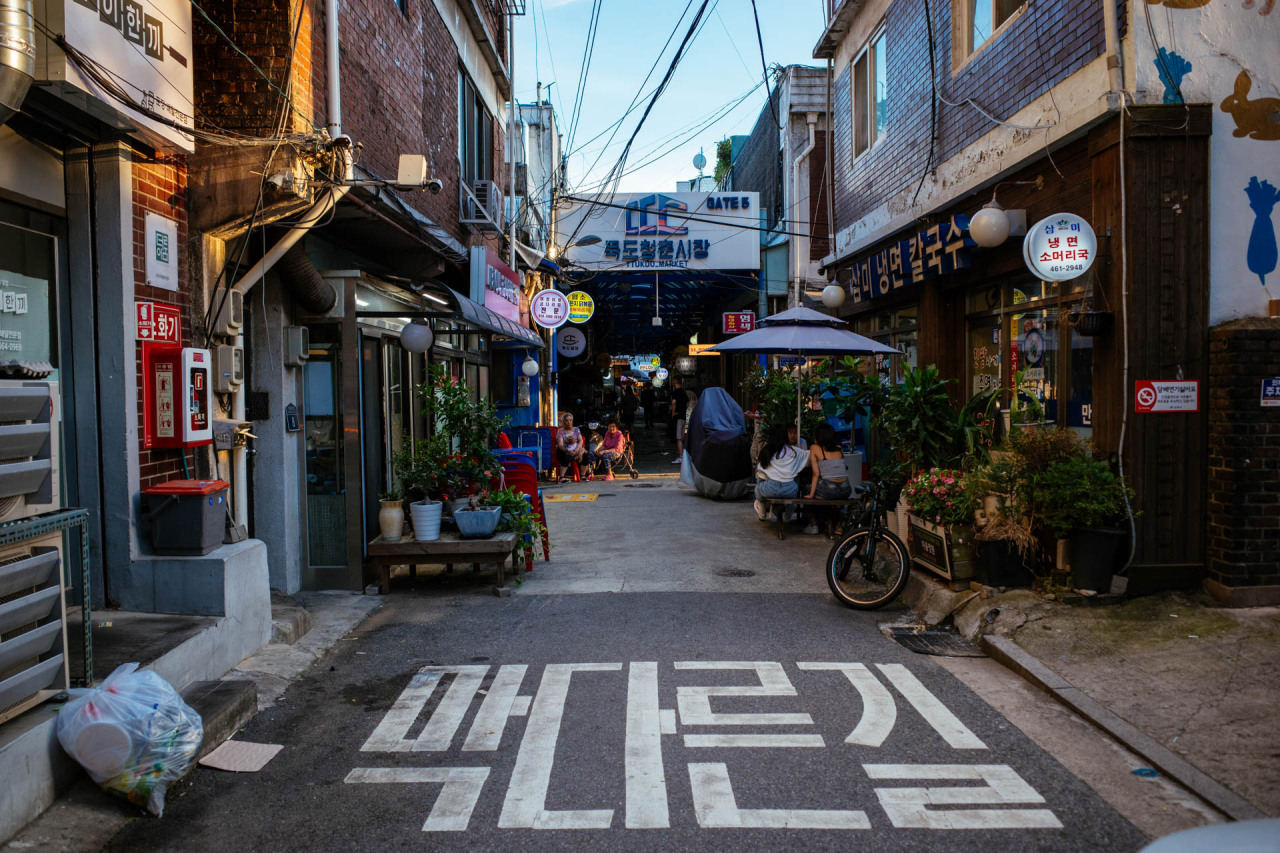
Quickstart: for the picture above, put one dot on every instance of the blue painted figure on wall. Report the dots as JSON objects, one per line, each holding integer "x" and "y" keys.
{"x": 1172, "y": 68}
{"x": 1262, "y": 254}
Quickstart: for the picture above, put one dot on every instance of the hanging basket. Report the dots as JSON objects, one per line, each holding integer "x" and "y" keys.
{"x": 1091, "y": 323}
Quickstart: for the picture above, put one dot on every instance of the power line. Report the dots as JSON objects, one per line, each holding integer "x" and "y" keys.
{"x": 588, "y": 48}
{"x": 764, "y": 67}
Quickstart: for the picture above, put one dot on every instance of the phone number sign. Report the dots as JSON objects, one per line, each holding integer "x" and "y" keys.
{"x": 1154, "y": 396}
{"x": 161, "y": 324}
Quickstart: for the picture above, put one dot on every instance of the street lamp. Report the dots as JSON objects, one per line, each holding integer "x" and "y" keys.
{"x": 416, "y": 337}
{"x": 833, "y": 296}
{"x": 530, "y": 367}
{"x": 989, "y": 227}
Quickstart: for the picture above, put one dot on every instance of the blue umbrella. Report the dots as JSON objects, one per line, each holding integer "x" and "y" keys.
{"x": 803, "y": 332}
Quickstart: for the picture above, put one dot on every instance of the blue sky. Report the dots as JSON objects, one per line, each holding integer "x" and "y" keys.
{"x": 721, "y": 66}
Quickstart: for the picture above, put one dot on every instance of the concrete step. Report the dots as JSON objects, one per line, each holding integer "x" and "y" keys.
{"x": 288, "y": 623}
{"x": 224, "y": 706}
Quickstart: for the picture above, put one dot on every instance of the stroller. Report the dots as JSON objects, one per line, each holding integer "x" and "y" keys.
{"x": 626, "y": 462}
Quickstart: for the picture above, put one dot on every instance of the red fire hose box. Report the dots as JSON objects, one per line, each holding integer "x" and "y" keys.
{"x": 188, "y": 517}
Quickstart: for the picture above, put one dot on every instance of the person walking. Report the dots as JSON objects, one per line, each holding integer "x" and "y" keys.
{"x": 682, "y": 402}
{"x": 779, "y": 461}
{"x": 628, "y": 405}
{"x": 648, "y": 399}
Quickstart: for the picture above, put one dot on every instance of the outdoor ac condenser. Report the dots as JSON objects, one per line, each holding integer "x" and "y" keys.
{"x": 30, "y": 436}
{"x": 33, "y": 651}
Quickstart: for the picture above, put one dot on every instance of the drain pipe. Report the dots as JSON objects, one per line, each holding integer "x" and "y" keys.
{"x": 798, "y": 261}
{"x": 317, "y": 213}
{"x": 17, "y": 55}
{"x": 1111, "y": 31}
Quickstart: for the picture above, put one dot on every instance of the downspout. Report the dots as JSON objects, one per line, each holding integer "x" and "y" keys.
{"x": 830, "y": 176}
{"x": 1111, "y": 29}
{"x": 796, "y": 242}
{"x": 317, "y": 213}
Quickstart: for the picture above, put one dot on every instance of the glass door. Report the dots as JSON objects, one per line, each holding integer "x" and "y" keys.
{"x": 322, "y": 428}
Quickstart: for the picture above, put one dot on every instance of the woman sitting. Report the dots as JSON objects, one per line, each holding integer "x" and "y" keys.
{"x": 570, "y": 447}
{"x": 779, "y": 463}
{"x": 830, "y": 477}
{"x": 612, "y": 447}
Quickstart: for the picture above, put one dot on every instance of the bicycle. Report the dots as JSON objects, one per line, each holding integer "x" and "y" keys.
{"x": 869, "y": 566}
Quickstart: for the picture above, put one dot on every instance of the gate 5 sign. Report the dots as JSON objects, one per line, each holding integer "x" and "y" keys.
{"x": 1152, "y": 396}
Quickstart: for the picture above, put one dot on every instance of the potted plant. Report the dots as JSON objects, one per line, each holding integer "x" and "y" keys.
{"x": 1082, "y": 501}
{"x": 477, "y": 522}
{"x": 1005, "y": 549}
{"x": 423, "y": 475}
{"x": 517, "y": 515}
{"x": 939, "y": 534}
{"x": 391, "y": 516}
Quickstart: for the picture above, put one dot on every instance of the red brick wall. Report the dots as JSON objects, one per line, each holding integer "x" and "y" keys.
{"x": 1049, "y": 41}
{"x": 160, "y": 188}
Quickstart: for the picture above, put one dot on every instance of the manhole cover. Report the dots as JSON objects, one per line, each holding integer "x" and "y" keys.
{"x": 736, "y": 573}
{"x": 924, "y": 641}
{"x": 642, "y": 485}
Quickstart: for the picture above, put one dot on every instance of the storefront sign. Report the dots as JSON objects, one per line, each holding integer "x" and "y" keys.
{"x": 571, "y": 342}
{"x": 737, "y": 322}
{"x": 1059, "y": 247}
{"x": 701, "y": 349}
{"x": 1271, "y": 392}
{"x": 145, "y": 43}
{"x": 1156, "y": 396}
{"x": 24, "y": 319}
{"x": 159, "y": 323}
{"x": 494, "y": 284}
{"x": 162, "y": 252}
{"x": 664, "y": 231}
{"x": 660, "y": 373}
{"x": 939, "y": 250}
{"x": 581, "y": 307}
{"x": 549, "y": 308}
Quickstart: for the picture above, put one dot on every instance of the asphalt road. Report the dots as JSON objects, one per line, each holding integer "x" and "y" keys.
{"x": 583, "y": 712}
{"x": 323, "y": 792}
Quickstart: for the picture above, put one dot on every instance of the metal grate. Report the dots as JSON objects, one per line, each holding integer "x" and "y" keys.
{"x": 736, "y": 573}
{"x": 928, "y": 641}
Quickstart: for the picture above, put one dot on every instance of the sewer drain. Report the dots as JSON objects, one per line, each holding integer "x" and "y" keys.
{"x": 642, "y": 485}
{"x": 924, "y": 641}
{"x": 736, "y": 573}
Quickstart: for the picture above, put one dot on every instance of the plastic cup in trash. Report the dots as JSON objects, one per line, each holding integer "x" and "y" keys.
{"x": 103, "y": 747}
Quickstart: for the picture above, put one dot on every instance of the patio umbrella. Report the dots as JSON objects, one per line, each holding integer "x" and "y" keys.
{"x": 803, "y": 332}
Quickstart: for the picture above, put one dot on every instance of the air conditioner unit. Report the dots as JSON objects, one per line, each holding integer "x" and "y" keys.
{"x": 229, "y": 319}
{"x": 29, "y": 445}
{"x": 481, "y": 206}
{"x": 33, "y": 645}
{"x": 297, "y": 345}
{"x": 228, "y": 368}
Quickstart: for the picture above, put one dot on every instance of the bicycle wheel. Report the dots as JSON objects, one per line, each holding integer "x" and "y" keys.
{"x": 862, "y": 584}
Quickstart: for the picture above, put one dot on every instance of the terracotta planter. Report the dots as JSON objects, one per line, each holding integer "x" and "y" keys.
{"x": 391, "y": 520}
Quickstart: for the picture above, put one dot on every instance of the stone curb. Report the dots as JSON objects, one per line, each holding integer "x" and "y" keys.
{"x": 1008, "y": 653}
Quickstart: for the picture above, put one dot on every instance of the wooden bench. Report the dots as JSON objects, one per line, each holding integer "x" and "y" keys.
{"x": 778, "y": 506}
{"x": 447, "y": 550}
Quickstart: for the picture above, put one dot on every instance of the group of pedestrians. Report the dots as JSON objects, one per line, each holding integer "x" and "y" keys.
{"x": 787, "y": 467}
{"x": 572, "y": 447}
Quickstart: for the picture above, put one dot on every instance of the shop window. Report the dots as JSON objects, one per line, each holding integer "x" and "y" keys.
{"x": 28, "y": 321}
{"x": 502, "y": 386}
{"x": 975, "y": 22}
{"x": 897, "y": 329}
{"x": 870, "y": 96}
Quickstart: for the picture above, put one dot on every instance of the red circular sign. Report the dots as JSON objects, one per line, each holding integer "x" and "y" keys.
{"x": 549, "y": 309}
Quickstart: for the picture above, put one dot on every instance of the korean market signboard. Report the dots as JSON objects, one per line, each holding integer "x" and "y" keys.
{"x": 737, "y": 322}
{"x": 581, "y": 307}
{"x": 494, "y": 284}
{"x": 571, "y": 342}
{"x": 549, "y": 308}
{"x": 663, "y": 231}
{"x": 1059, "y": 247}
{"x": 1154, "y": 396}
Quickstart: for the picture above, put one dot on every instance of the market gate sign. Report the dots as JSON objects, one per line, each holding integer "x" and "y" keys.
{"x": 939, "y": 250}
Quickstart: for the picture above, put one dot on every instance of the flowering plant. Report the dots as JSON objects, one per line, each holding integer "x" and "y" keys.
{"x": 939, "y": 495}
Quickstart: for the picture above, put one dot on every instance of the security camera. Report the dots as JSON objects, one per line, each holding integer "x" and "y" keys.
{"x": 435, "y": 186}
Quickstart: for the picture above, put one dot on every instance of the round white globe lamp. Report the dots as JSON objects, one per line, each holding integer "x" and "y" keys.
{"x": 416, "y": 337}
{"x": 833, "y": 296}
{"x": 989, "y": 227}
{"x": 657, "y": 383}
{"x": 530, "y": 367}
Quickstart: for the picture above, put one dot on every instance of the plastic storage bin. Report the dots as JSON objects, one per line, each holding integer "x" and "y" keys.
{"x": 188, "y": 517}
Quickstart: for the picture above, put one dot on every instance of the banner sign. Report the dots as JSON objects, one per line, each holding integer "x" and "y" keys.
{"x": 737, "y": 322}
{"x": 637, "y": 231}
{"x": 581, "y": 307}
{"x": 549, "y": 308}
{"x": 1271, "y": 392}
{"x": 1059, "y": 247}
{"x": 1153, "y": 396}
{"x": 938, "y": 250}
{"x": 494, "y": 284}
{"x": 701, "y": 349}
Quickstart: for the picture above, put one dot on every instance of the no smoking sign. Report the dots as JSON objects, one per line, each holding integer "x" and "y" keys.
{"x": 1154, "y": 396}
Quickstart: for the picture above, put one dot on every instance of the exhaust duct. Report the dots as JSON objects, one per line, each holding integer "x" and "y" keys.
{"x": 17, "y": 55}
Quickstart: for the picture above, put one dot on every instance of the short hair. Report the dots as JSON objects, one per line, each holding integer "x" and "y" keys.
{"x": 612, "y": 422}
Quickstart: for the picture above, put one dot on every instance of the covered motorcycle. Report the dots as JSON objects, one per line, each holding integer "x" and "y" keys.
{"x": 718, "y": 449}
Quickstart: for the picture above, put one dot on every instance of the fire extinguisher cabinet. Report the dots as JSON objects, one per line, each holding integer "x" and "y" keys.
{"x": 188, "y": 517}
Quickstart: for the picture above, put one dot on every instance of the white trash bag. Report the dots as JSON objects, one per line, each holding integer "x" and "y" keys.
{"x": 133, "y": 734}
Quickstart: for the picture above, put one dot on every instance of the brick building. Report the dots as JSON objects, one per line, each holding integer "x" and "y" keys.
{"x": 938, "y": 107}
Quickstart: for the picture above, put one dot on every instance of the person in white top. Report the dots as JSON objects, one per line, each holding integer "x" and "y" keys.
{"x": 779, "y": 463}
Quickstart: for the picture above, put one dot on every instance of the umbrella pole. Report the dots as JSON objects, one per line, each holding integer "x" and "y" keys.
{"x": 799, "y": 379}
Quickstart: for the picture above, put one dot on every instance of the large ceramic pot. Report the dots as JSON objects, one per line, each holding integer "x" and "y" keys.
{"x": 426, "y": 519}
{"x": 1093, "y": 558}
{"x": 391, "y": 520}
{"x": 478, "y": 523}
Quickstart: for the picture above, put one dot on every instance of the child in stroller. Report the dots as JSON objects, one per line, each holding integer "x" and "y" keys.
{"x": 614, "y": 450}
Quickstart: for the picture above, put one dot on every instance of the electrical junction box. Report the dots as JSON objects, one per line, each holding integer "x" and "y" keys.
{"x": 228, "y": 368}
{"x": 229, "y": 319}
{"x": 297, "y": 345}
{"x": 412, "y": 171}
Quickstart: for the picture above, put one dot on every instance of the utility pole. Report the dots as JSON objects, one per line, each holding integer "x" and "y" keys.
{"x": 511, "y": 130}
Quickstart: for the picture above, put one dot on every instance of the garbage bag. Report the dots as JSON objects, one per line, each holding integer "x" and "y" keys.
{"x": 133, "y": 734}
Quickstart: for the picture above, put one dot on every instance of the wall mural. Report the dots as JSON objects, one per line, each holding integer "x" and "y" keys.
{"x": 1172, "y": 68}
{"x": 1262, "y": 254}
{"x": 1254, "y": 118}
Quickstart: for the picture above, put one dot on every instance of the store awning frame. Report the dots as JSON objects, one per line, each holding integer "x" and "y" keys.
{"x": 455, "y": 306}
